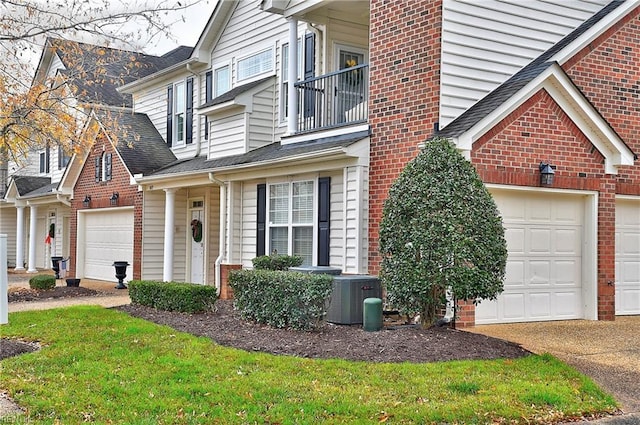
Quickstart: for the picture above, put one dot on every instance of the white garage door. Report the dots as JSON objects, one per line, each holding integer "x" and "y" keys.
{"x": 627, "y": 256}
{"x": 108, "y": 238}
{"x": 544, "y": 233}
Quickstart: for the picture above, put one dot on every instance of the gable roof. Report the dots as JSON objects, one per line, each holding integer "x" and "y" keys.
{"x": 138, "y": 142}
{"x": 545, "y": 72}
{"x": 95, "y": 72}
{"x": 29, "y": 185}
{"x": 234, "y": 93}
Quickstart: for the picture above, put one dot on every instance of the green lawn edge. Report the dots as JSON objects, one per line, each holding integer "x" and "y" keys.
{"x": 102, "y": 366}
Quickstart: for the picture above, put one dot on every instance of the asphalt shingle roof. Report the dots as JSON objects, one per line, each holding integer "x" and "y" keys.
{"x": 233, "y": 93}
{"x": 33, "y": 186}
{"x": 96, "y": 71}
{"x": 141, "y": 147}
{"x": 510, "y": 87}
{"x": 273, "y": 151}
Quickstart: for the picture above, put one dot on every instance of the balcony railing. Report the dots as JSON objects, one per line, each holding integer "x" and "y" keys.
{"x": 333, "y": 100}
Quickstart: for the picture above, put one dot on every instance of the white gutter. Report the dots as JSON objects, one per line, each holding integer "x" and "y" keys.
{"x": 222, "y": 232}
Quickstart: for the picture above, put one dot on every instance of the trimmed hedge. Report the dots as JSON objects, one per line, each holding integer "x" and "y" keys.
{"x": 281, "y": 298}
{"x": 42, "y": 281}
{"x": 276, "y": 262}
{"x": 173, "y": 296}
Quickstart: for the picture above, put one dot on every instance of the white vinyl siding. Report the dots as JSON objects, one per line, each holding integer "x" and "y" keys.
{"x": 182, "y": 235}
{"x": 8, "y": 227}
{"x": 213, "y": 237}
{"x": 228, "y": 134}
{"x": 248, "y": 234}
{"x": 153, "y": 102}
{"x": 484, "y": 43}
{"x": 153, "y": 235}
{"x": 261, "y": 119}
{"x": 356, "y": 207}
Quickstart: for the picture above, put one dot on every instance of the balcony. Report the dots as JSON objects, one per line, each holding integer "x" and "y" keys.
{"x": 333, "y": 100}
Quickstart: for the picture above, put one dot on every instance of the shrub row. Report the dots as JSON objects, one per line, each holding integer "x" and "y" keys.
{"x": 42, "y": 281}
{"x": 172, "y": 296}
{"x": 276, "y": 262}
{"x": 280, "y": 298}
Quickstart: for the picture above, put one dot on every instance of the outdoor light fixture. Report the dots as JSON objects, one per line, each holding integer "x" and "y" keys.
{"x": 87, "y": 201}
{"x": 546, "y": 174}
{"x": 113, "y": 201}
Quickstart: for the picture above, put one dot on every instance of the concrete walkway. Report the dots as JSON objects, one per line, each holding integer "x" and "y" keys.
{"x": 608, "y": 352}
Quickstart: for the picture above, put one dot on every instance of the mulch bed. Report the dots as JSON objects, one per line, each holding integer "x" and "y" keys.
{"x": 27, "y": 294}
{"x": 226, "y": 327}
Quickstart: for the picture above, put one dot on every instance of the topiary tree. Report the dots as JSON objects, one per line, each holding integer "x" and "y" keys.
{"x": 440, "y": 232}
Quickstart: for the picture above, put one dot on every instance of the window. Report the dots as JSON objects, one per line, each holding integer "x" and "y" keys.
{"x": 180, "y": 113}
{"x": 260, "y": 63}
{"x": 222, "y": 80}
{"x": 63, "y": 158}
{"x": 290, "y": 219}
{"x": 44, "y": 161}
{"x": 103, "y": 167}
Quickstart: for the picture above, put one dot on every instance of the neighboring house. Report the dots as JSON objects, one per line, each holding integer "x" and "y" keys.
{"x": 90, "y": 75}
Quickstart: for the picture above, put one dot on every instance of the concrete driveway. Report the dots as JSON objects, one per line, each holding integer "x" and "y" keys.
{"x": 608, "y": 352}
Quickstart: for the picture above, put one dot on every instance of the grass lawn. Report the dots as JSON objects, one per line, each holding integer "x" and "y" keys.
{"x": 102, "y": 366}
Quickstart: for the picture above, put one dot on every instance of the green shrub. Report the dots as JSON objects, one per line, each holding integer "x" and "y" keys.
{"x": 276, "y": 262}
{"x": 173, "y": 296}
{"x": 42, "y": 281}
{"x": 280, "y": 298}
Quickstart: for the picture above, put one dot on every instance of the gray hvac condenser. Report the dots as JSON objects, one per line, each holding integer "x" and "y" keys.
{"x": 347, "y": 297}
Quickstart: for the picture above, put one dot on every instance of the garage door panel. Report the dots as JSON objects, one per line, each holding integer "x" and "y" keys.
{"x": 108, "y": 238}
{"x": 543, "y": 279}
{"x": 627, "y": 256}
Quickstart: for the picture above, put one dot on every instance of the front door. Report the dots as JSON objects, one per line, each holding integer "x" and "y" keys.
{"x": 350, "y": 95}
{"x": 197, "y": 241}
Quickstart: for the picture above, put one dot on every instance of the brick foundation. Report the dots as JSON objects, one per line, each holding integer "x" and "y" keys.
{"x": 226, "y": 293}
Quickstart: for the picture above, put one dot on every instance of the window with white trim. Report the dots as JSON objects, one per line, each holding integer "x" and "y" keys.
{"x": 251, "y": 66}
{"x": 45, "y": 157}
{"x": 221, "y": 80}
{"x": 179, "y": 112}
{"x": 291, "y": 219}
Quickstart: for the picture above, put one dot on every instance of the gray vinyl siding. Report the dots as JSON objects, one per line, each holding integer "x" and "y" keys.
{"x": 485, "y": 42}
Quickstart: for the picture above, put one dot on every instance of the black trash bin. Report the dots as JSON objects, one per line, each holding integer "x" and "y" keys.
{"x": 121, "y": 273}
{"x": 55, "y": 265}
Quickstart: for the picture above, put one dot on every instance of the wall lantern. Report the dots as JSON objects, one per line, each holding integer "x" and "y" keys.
{"x": 87, "y": 201}
{"x": 546, "y": 174}
{"x": 113, "y": 201}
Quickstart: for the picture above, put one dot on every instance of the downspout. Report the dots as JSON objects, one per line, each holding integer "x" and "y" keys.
{"x": 222, "y": 232}
{"x": 198, "y": 142}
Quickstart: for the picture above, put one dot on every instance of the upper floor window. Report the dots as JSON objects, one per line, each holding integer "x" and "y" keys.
{"x": 259, "y": 63}
{"x": 221, "y": 80}
{"x": 180, "y": 113}
{"x": 63, "y": 158}
{"x": 103, "y": 167}
{"x": 44, "y": 161}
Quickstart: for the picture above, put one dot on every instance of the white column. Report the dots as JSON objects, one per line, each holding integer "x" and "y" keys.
{"x": 169, "y": 223}
{"x": 33, "y": 238}
{"x": 19, "y": 238}
{"x": 292, "y": 76}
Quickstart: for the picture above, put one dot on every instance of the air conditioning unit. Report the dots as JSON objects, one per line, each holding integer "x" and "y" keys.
{"x": 348, "y": 295}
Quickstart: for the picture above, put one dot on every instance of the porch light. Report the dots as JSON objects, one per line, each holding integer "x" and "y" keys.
{"x": 113, "y": 201}
{"x": 87, "y": 201}
{"x": 546, "y": 174}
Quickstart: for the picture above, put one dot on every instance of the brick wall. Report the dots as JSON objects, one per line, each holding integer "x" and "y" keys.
{"x": 226, "y": 292}
{"x": 404, "y": 94}
{"x": 606, "y": 71}
{"x": 100, "y": 193}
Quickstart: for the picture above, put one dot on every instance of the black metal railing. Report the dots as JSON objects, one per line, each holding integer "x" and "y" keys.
{"x": 335, "y": 99}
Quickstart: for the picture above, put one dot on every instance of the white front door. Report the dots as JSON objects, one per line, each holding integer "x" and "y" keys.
{"x": 628, "y": 256}
{"x": 197, "y": 242}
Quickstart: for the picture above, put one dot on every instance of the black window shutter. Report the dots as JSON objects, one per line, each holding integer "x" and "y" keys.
{"x": 208, "y": 86}
{"x": 309, "y": 71}
{"x": 107, "y": 167}
{"x": 170, "y": 116}
{"x": 324, "y": 215}
{"x": 189, "y": 120}
{"x": 262, "y": 220}
{"x": 206, "y": 128}
{"x": 98, "y": 162}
